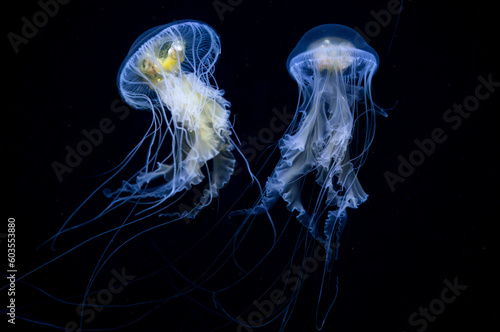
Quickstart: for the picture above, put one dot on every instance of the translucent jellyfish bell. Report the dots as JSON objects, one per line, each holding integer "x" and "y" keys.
{"x": 169, "y": 71}
{"x": 328, "y": 139}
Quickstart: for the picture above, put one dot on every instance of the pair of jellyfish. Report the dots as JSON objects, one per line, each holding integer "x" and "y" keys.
{"x": 169, "y": 71}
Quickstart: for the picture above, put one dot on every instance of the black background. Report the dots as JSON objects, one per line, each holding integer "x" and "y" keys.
{"x": 399, "y": 246}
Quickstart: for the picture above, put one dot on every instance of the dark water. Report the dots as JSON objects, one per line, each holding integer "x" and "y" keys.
{"x": 417, "y": 256}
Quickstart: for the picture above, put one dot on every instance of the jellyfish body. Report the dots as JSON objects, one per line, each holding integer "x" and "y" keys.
{"x": 169, "y": 71}
{"x": 330, "y": 134}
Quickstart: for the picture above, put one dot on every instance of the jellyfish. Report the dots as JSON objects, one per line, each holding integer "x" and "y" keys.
{"x": 328, "y": 140}
{"x": 169, "y": 72}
